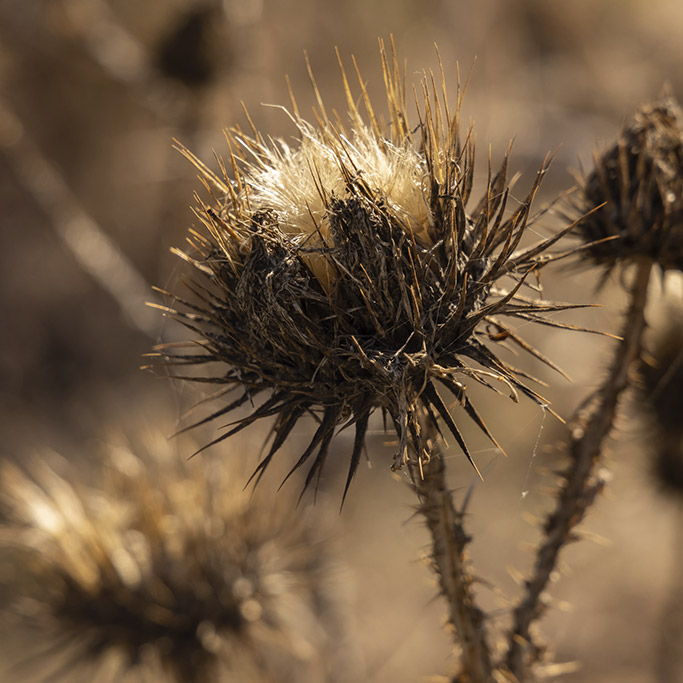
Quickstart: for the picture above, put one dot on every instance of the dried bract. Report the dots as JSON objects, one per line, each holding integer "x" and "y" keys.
{"x": 347, "y": 275}
{"x": 638, "y": 184}
{"x": 164, "y": 571}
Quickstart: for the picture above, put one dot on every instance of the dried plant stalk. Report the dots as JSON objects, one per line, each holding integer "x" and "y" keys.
{"x": 582, "y": 481}
{"x": 449, "y": 540}
{"x": 88, "y": 242}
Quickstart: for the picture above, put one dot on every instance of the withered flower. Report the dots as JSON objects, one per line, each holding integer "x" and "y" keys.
{"x": 638, "y": 185}
{"x": 347, "y": 274}
{"x": 162, "y": 571}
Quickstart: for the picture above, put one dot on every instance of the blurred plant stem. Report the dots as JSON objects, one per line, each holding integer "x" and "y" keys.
{"x": 94, "y": 250}
{"x": 449, "y": 541}
{"x": 582, "y": 480}
{"x": 669, "y": 647}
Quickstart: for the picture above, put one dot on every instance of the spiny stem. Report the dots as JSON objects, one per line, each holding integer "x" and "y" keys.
{"x": 582, "y": 483}
{"x": 449, "y": 540}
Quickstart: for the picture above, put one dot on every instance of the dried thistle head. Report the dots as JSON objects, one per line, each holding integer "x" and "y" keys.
{"x": 638, "y": 185}
{"x": 350, "y": 273}
{"x": 660, "y": 398}
{"x": 163, "y": 571}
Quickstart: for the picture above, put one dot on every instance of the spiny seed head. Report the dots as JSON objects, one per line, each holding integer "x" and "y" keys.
{"x": 638, "y": 185}
{"x": 348, "y": 274}
{"x": 164, "y": 571}
{"x": 661, "y": 399}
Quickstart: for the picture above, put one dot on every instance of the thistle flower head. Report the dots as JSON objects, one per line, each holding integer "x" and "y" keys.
{"x": 638, "y": 185}
{"x": 163, "y": 571}
{"x": 348, "y": 274}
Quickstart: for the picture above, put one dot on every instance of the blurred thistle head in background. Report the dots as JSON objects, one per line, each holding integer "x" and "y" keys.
{"x": 161, "y": 571}
{"x": 638, "y": 185}
{"x": 196, "y": 45}
{"x": 349, "y": 274}
{"x": 660, "y": 398}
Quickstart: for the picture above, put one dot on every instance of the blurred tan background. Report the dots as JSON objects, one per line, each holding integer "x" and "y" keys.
{"x": 92, "y": 196}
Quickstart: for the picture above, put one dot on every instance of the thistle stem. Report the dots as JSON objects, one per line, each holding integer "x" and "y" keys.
{"x": 582, "y": 481}
{"x": 449, "y": 541}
